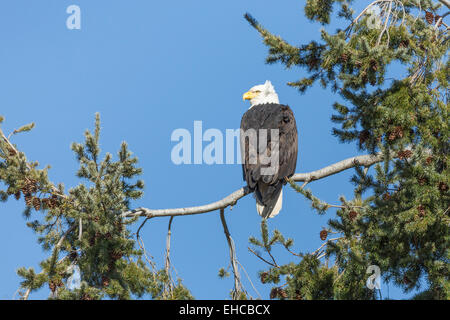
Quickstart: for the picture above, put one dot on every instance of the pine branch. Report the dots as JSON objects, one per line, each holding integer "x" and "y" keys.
{"x": 55, "y": 252}
{"x": 14, "y": 151}
{"x": 230, "y": 200}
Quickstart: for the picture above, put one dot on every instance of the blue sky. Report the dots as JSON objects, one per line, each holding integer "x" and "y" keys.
{"x": 150, "y": 68}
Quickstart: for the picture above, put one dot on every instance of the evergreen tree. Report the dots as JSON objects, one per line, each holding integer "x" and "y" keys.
{"x": 84, "y": 228}
{"x": 399, "y": 216}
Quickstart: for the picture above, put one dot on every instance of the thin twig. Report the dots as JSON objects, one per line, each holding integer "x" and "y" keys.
{"x": 250, "y": 280}
{"x": 256, "y": 254}
{"x": 386, "y": 23}
{"x": 317, "y": 251}
{"x": 271, "y": 256}
{"x": 142, "y": 246}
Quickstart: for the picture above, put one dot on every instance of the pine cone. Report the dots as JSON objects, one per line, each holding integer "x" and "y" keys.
{"x": 105, "y": 281}
{"x": 363, "y": 136}
{"x": 443, "y": 186}
{"x": 52, "y": 286}
{"x": 353, "y": 215}
{"x": 274, "y": 293}
{"x": 399, "y": 131}
{"x": 422, "y": 181}
{"x": 37, "y": 204}
{"x": 312, "y": 62}
{"x": 374, "y": 64}
{"x": 386, "y": 196}
{"x": 421, "y": 210}
{"x": 53, "y": 203}
{"x": 263, "y": 277}
{"x": 278, "y": 292}
{"x": 404, "y": 154}
{"x": 429, "y": 160}
{"x": 17, "y": 195}
{"x": 323, "y": 235}
{"x": 429, "y": 17}
{"x": 396, "y": 133}
{"x": 282, "y": 293}
{"x": 24, "y": 189}
{"x": 45, "y": 203}
{"x": 31, "y": 186}
{"x": 29, "y": 200}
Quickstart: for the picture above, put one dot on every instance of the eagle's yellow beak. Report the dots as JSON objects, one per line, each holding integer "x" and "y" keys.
{"x": 249, "y": 95}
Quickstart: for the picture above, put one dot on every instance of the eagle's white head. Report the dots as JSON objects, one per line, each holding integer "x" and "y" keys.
{"x": 260, "y": 94}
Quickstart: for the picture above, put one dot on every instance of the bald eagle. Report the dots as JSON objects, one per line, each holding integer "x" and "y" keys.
{"x": 269, "y": 146}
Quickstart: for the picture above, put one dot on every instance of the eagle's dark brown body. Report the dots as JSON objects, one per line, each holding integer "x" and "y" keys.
{"x": 267, "y": 188}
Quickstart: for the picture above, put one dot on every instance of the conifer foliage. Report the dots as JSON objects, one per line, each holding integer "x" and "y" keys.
{"x": 83, "y": 228}
{"x": 390, "y": 71}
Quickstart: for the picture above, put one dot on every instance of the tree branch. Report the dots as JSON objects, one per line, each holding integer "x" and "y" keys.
{"x": 230, "y": 200}
{"x": 259, "y": 256}
{"x": 55, "y": 250}
{"x": 445, "y": 2}
{"x": 233, "y": 260}
{"x": 169, "y": 288}
{"x": 169, "y": 234}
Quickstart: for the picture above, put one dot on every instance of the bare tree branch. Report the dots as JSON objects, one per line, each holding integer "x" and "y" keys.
{"x": 230, "y": 200}
{"x": 445, "y": 2}
{"x": 167, "y": 264}
{"x": 233, "y": 260}
{"x": 169, "y": 234}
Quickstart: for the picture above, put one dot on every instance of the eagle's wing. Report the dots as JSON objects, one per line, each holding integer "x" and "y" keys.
{"x": 288, "y": 144}
{"x": 269, "y": 116}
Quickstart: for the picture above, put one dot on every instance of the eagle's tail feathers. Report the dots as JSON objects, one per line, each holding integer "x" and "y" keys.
{"x": 271, "y": 210}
